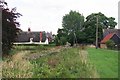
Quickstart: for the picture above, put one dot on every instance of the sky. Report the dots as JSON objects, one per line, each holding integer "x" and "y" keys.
{"x": 46, "y": 15}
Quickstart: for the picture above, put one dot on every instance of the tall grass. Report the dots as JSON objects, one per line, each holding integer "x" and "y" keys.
{"x": 64, "y": 64}
{"x": 59, "y": 62}
{"x": 17, "y": 67}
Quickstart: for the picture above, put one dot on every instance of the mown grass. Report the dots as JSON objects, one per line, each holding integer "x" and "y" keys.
{"x": 105, "y": 61}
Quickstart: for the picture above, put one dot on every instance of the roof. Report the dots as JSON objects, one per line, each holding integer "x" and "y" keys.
{"x": 25, "y": 36}
{"x": 108, "y": 37}
{"x": 108, "y": 31}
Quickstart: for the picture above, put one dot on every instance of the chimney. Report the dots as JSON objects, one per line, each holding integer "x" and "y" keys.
{"x": 29, "y": 30}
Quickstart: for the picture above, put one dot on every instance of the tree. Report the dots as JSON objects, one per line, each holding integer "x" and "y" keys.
{"x": 61, "y": 37}
{"x": 73, "y": 24}
{"x": 103, "y": 23}
{"x": 9, "y": 26}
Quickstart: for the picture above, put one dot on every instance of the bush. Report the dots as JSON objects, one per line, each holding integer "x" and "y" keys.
{"x": 57, "y": 41}
{"x": 110, "y": 44}
{"x": 63, "y": 40}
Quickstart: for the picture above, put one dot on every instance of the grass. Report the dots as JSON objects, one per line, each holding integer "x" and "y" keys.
{"x": 60, "y": 62}
{"x": 64, "y": 64}
{"x": 105, "y": 61}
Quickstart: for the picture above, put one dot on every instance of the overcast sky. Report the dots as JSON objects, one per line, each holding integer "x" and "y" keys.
{"x": 46, "y": 15}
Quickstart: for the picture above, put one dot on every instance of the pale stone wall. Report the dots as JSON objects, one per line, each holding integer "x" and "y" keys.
{"x": 103, "y": 46}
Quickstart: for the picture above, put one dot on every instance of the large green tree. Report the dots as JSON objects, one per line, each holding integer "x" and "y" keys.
{"x": 73, "y": 25}
{"x": 9, "y": 26}
{"x": 103, "y": 23}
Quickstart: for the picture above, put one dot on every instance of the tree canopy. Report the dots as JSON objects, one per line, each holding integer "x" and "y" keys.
{"x": 73, "y": 21}
{"x": 73, "y": 24}
{"x": 77, "y": 30}
{"x": 9, "y": 26}
{"x": 104, "y": 22}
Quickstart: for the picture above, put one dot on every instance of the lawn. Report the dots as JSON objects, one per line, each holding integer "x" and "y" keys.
{"x": 105, "y": 61}
{"x": 42, "y": 61}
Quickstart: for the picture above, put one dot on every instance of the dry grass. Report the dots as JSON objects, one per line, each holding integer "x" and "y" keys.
{"x": 17, "y": 67}
{"x": 91, "y": 68}
{"x": 53, "y": 62}
{"x": 0, "y": 69}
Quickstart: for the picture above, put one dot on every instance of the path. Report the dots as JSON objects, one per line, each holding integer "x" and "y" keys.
{"x": 84, "y": 58}
{"x": 43, "y": 53}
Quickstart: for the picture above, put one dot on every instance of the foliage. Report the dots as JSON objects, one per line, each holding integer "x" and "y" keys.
{"x": 76, "y": 30}
{"x": 71, "y": 39}
{"x": 105, "y": 61}
{"x": 9, "y": 27}
{"x": 63, "y": 40}
{"x": 81, "y": 37}
{"x": 110, "y": 44}
{"x": 61, "y": 37}
{"x": 64, "y": 64}
{"x": 104, "y": 22}
{"x": 73, "y": 21}
{"x": 57, "y": 41}
{"x": 72, "y": 24}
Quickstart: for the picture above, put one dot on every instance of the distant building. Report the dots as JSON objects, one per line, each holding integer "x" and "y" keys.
{"x": 110, "y": 34}
{"x": 39, "y": 37}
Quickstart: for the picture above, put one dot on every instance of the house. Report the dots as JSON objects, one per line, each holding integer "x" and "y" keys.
{"x": 110, "y": 34}
{"x": 28, "y": 37}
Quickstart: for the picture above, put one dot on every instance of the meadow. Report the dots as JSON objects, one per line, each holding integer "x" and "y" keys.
{"x": 49, "y": 61}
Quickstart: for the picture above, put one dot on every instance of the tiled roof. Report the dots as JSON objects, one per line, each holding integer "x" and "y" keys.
{"x": 108, "y": 37}
{"x": 109, "y": 31}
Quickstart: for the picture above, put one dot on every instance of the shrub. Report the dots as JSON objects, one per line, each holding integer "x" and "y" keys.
{"x": 57, "y": 41}
{"x": 63, "y": 40}
{"x": 110, "y": 44}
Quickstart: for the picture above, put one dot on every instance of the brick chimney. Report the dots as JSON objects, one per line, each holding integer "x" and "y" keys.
{"x": 29, "y": 30}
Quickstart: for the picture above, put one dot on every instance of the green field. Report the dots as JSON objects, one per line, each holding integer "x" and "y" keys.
{"x": 51, "y": 61}
{"x": 105, "y": 61}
